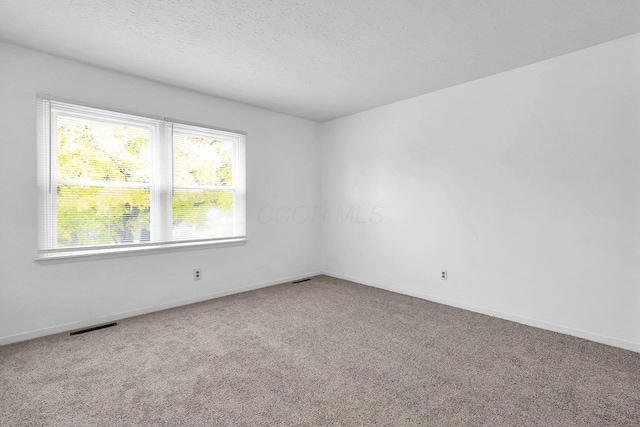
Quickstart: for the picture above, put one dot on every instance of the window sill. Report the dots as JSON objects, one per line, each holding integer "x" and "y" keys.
{"x": 96, "y": 254}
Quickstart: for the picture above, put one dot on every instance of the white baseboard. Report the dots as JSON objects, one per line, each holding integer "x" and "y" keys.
{"x": 615, "y": 342}
{"x": 24, "y": 336}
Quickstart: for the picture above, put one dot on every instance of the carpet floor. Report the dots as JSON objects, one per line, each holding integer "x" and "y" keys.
{"x": 322, "y": 352}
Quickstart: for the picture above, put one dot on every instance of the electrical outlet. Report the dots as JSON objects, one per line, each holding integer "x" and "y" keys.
{"x": 197, "y": 274}
{"x": 443, "y": 275}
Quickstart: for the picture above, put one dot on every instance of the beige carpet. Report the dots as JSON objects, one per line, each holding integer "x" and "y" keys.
{"x": 323, "y": 352}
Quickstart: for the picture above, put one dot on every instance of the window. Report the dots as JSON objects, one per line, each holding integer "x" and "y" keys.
{"x": 113, "y": 182}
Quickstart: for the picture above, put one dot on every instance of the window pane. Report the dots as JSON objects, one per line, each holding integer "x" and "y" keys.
{"x": 198, "y": 160}
{"x": 201, "y": 214}
{"x": 92, "y": 216}
{"x": 101, "y": 151}
{"x": 108, "y": 178}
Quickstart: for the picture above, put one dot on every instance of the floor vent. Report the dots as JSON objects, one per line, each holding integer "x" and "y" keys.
{"x": 300, "y": 281}
{"x": 95, "y": 328}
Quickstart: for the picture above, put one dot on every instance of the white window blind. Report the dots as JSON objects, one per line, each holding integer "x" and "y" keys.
{"x": 115, "y": 182}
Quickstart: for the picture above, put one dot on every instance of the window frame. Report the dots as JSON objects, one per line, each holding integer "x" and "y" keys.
{"x": 161, "y": 181}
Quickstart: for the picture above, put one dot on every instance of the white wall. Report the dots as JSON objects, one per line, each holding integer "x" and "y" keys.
{"x": 525, "y": 186}
{"x": 37, "y": 298}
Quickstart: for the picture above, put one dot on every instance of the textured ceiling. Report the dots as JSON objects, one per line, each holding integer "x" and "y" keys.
{"x": 318, "y": 59}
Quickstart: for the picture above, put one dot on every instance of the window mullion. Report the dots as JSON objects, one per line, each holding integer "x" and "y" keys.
{"x": 162, "y": 183}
